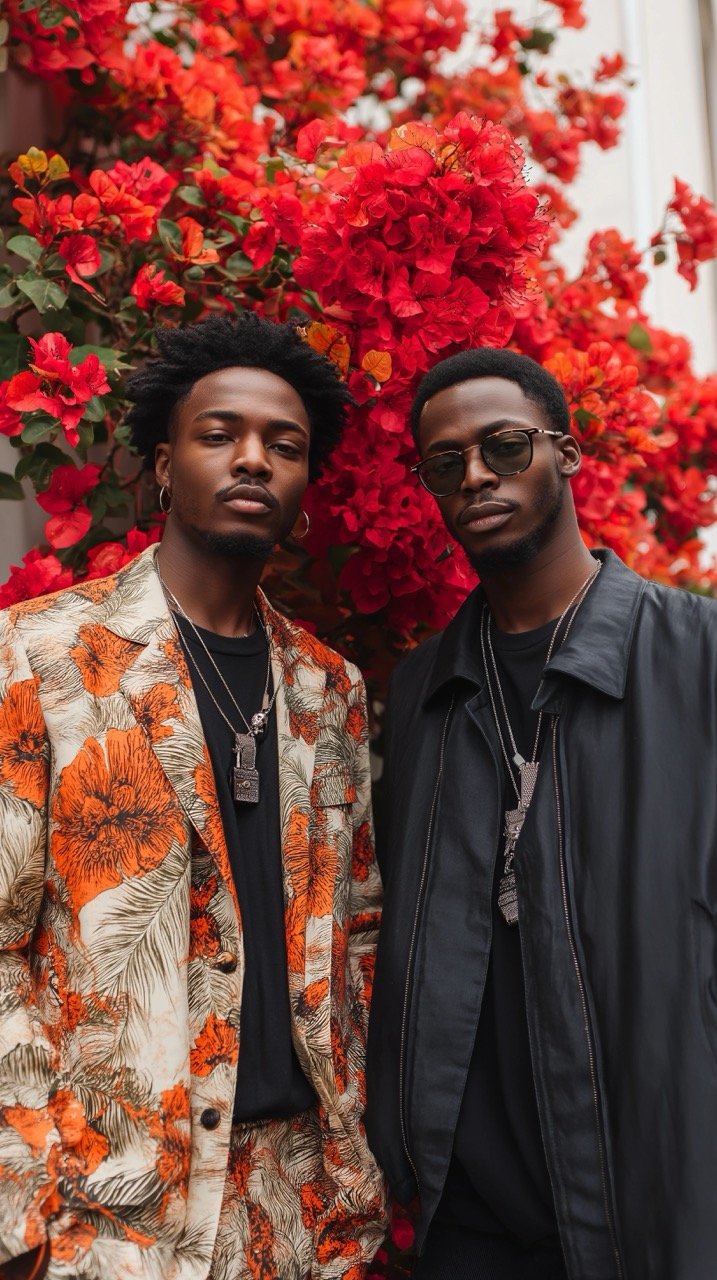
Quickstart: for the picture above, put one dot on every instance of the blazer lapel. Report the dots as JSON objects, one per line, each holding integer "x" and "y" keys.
{"x": 300, "y": 685}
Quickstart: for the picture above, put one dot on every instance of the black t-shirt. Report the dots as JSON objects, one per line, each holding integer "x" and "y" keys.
{"x": 498, "y": 1181}
{"x": 270, "y": 1081}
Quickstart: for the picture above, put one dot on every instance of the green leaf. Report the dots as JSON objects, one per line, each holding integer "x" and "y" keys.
{"x": 238, "y": 265}
{"x": 39, "y": 465}
{"x": 86, "y": 434}
{"x": 43, "y": 294}
{"x": 25, "y": 247}
{"x": 639, "y": 338}
{"x": 38, "y": 427}
{"x": 8, "y": 295}
{"x": 538, "y": 39}
{"x": 95, "y": 409}
{"x": 240, "y": 224}
{"x": 170, "y": 234}
{"x": 111, "y": 357}
{"x": 191, "y": 195}
{"x": 9, "y": 487}
{"x": 12, "y": 354}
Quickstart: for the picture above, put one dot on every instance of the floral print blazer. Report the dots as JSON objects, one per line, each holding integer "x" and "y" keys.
{"x": 119, "y": 1014}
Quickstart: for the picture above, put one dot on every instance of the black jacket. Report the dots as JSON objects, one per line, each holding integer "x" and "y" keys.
{"x": 616, "y": 870}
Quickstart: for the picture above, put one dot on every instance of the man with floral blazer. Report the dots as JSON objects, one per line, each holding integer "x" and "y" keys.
{"x": 122, "y": 956}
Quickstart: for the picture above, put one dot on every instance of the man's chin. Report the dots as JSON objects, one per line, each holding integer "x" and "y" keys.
{"x": 238, "y": 546}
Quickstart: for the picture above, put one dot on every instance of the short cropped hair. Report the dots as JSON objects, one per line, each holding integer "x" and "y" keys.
{"x": 221, "y": 342}
{"x": 488, "y": 362}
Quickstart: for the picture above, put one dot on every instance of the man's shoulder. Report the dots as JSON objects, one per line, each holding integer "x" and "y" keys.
{"x": 684, "y": 607}
{"x": 71, "y": 606}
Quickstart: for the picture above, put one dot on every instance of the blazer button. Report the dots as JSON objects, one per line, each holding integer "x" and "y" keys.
{"x": 210, "y": 1118}
{"x": 226, "y": 962}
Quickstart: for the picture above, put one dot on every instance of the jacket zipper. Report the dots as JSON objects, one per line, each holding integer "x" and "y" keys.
{"x": 412, "y": 947}
{"x": 584, "y": 1005}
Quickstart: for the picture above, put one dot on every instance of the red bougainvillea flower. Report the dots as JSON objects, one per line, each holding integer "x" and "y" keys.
{"x": 571, "y": 12}
{"x": 134, "y": 216}
{"x": 193, "y": 249}
{"x": 152, "y": 287}
{"x": 11, "y": 423}
{"x": 108, "y": 557}
{"x": 71, "y": 518}
{"x": 38, "y": 574}
{"x": 146, "y": 180}
{"x": 46, "y": 217}
{"x": 55, "y": 386}
{"x": 696, "y": 240}
{"x": 82, "y": 258}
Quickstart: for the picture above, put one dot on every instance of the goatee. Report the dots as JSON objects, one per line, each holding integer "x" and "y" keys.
{"x": 239, "y": 546}
{"x": 497, "y": 560}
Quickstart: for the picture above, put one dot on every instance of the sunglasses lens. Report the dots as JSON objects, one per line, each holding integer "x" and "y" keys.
{"x": 443, "y": 474}
{"x": 507, "y": 452}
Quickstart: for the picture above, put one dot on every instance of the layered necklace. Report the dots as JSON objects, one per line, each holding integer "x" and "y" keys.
{"x": 245, "y": 772}
{"x": 527, "y": 770}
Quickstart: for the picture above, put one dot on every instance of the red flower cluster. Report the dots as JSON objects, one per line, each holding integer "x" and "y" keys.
{"x": 696, "y": 231}
{"x": 242, "y": 185}
{"x": 64, "y": 499}
{"x": 52, "y": 385}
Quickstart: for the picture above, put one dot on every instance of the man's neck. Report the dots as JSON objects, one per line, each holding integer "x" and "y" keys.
{"x": 216, "y": 592}
{"x": 528, "y": 596}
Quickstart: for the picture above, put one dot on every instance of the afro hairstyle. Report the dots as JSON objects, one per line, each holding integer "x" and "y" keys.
{"x": 489, "y": 362}
{"x": 221, "y": 342}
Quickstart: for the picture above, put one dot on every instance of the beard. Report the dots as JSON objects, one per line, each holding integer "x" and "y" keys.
{"x": 237, "y": 546}
{"x": 514, "y": 555}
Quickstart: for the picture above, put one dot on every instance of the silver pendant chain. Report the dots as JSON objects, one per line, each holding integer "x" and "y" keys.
{"x": 485, "y": 639}
{"x": 246, "y": 775}
{"x": 527, "y": 769}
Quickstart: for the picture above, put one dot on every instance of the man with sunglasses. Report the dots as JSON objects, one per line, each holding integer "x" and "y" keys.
{"x": 542, "y": 1062}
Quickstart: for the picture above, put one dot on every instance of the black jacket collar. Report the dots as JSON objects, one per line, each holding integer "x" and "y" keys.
{"x": 596, "y": 651}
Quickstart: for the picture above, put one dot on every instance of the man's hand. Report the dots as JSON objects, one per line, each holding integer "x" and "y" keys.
{"x": 28, "y": 1266}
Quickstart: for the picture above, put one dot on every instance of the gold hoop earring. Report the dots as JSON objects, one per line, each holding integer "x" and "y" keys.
{"x": 300, "y": 536}
{"x": 165, "y": 500}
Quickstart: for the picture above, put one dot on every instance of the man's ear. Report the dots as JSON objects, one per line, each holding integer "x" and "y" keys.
{"x": 163, "y": 464}
{"x": 570, "y": 457}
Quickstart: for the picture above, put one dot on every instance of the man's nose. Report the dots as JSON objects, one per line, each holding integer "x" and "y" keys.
{"x": 478, "y": 475}
{"x": 251, "y": 457}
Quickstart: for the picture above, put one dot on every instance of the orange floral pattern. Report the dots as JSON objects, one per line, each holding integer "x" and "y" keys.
{"x": 127, "y": 900}
{"x": 23, "y": 760}
{"x": 114, "y": 815}
{"x": 102, "y": 659}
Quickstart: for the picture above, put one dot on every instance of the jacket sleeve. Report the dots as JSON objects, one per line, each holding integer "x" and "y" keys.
{"x": 27, "y": 1131}
{"x": 366, "y": 891}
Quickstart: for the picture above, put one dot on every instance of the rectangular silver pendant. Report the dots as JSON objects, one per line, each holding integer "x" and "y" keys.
{"x": 508, "y": 898}
{"x": 246, "y": 775}
{"x": 246, "y": 785}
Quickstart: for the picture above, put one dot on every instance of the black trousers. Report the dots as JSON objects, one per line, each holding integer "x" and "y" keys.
{"x": 452, "y": 1253}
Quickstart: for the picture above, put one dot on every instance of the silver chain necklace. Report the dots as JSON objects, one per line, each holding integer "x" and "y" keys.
{"x": 246, "y": 774}
{"x": 527, "y": 769}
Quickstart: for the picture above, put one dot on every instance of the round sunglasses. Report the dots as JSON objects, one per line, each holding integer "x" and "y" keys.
{"x": 505, "y": 453}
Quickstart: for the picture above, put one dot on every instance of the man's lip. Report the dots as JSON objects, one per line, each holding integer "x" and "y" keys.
{"x": 249, "y": 493}
{"x": 484, "y": 511}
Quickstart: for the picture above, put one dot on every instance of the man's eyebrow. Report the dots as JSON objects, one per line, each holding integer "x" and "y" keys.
{"x": 450, "y": 442}
{"x": 233, "y": 416}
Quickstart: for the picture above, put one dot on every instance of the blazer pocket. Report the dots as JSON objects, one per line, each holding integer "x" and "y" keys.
{"x": 333, "y": 785}
{"x": 704, "y": 928}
